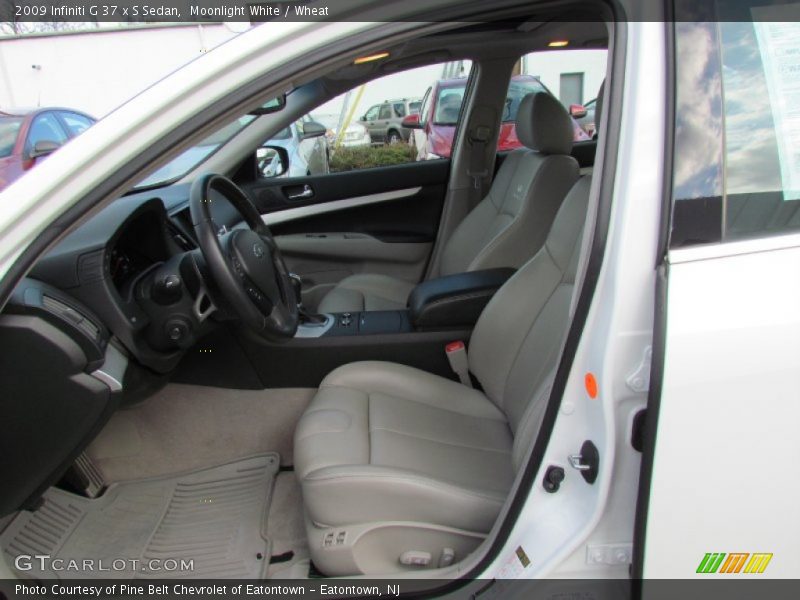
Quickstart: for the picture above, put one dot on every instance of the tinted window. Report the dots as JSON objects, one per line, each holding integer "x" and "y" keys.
{"x": 400, "y": 109}
{"x": 76, "y": 123}
{"x": 386, "y": 112}
{"x": 737, "y": 138}
{"x": 9, "y": 128}
{"x": 45, "y": 128}
{"x": 761, "y": 96}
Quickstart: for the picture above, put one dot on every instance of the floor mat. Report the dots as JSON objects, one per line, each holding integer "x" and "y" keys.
{"x": 214, "y": 520}
{"x": 286, "y": 529}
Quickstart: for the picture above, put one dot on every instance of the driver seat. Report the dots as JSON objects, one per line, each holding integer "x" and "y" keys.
{"x": 401, "y": 469}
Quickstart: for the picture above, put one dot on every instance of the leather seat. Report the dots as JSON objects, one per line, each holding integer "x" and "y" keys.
{"x": 401, "y": 469}
{"x": 507, "y": 227}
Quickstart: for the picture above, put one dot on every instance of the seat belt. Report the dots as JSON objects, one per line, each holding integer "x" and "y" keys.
{"x": 457, "y": 357}
{"x": 478, "y": 137}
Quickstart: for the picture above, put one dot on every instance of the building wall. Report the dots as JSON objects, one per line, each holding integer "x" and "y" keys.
{"x": 99, "y": 70}
{"x": 549, "y": 66}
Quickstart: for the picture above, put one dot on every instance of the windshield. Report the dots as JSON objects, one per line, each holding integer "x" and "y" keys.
{"x": 189, "y": 159}
{"x": 9, "y": 128}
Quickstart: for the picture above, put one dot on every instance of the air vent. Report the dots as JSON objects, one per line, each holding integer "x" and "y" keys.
{"x": 90, "y": 266}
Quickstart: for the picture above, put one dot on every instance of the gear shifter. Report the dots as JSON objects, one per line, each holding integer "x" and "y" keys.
{"x": 306, "y": 317}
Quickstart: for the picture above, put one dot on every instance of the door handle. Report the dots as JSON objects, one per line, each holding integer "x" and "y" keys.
{"x": 305, "y": 192}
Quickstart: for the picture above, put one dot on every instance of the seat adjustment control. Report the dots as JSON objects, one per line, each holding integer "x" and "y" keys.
{"x": 415, "y": 558}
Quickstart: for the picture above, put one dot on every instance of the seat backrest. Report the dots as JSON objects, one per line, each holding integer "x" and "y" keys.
{"x": 510, "y": 224}
{"x": 516, "y": 342}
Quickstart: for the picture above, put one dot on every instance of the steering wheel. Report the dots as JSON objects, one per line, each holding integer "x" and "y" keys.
{"x": 246, "y": 264}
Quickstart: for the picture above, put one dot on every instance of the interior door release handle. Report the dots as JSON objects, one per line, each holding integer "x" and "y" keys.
{"x": 306, "y": 192}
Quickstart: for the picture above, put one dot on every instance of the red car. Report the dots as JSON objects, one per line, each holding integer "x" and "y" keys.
{"x": 442, "y": 105}
{"x": 28, "y": 135}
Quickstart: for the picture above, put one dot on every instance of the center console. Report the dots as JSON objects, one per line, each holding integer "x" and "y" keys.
{"x": 439, "y": 311}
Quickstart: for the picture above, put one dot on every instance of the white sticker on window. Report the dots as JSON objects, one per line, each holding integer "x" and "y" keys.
{"x": 780, "y": 55}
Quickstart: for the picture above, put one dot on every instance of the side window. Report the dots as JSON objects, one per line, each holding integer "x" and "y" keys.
{"x": 354, "y": 141}
{"x": 736, "y": 171}
{"x": 76, "y": 124}
{"x": 372, "y": 113}
{"x": 45, "y": 128}
{"x": 761, "y": 186}
{"x": 386, "y": 112}
{"x": 573, "y": 76}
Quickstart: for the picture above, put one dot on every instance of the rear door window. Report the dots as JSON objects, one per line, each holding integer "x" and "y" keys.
{"x": 736, "y": 168}
{"x": 386, "y": 112}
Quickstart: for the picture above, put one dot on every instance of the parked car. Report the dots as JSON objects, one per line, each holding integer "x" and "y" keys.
{"x": 584, "y": 115}
{"x": 435, "y": 126}
{"x": 27, "y": 135}
{"x": 385, "y": 120}
{"x": 355, "y": 135}
{"x": 306, "y": 146}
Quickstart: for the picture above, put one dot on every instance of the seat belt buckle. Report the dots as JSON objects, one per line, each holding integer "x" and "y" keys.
{"x": 457, "y": 357}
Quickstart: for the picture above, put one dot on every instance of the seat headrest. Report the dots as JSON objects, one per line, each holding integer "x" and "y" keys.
{"x": 544, "y": 125}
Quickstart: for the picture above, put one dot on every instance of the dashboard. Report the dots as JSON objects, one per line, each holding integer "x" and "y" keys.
{"x": 113, "y": 263}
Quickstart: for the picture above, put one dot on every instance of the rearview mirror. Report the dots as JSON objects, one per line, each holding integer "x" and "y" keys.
{"x": 577, "y": 111}
{"x": 44, "y": 147}
{"x": 272, "y": 161}
{"x": 411, "y": 122}
{"x": 312, "y": 129}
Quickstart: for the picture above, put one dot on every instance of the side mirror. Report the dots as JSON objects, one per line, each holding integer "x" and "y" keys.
{"x": 272, "y": 161}
{"x": 577, "y": 111}
{"x": 411, "y": 122}
{"x": 44, "y": 147}
{"x": 312, "y": 129}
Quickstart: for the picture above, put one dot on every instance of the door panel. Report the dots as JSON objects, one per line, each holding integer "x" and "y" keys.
{"x": 323, "y": 259}
{"x": 382, "y": 220}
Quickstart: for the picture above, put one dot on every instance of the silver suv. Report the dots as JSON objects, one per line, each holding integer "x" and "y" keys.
{"x": 384, "y": 120}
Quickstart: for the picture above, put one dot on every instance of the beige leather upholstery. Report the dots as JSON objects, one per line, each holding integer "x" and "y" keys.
{"x": 507, "y": 227}
{"x": 383, "y": 443}
{"x": 367, "y": 292}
